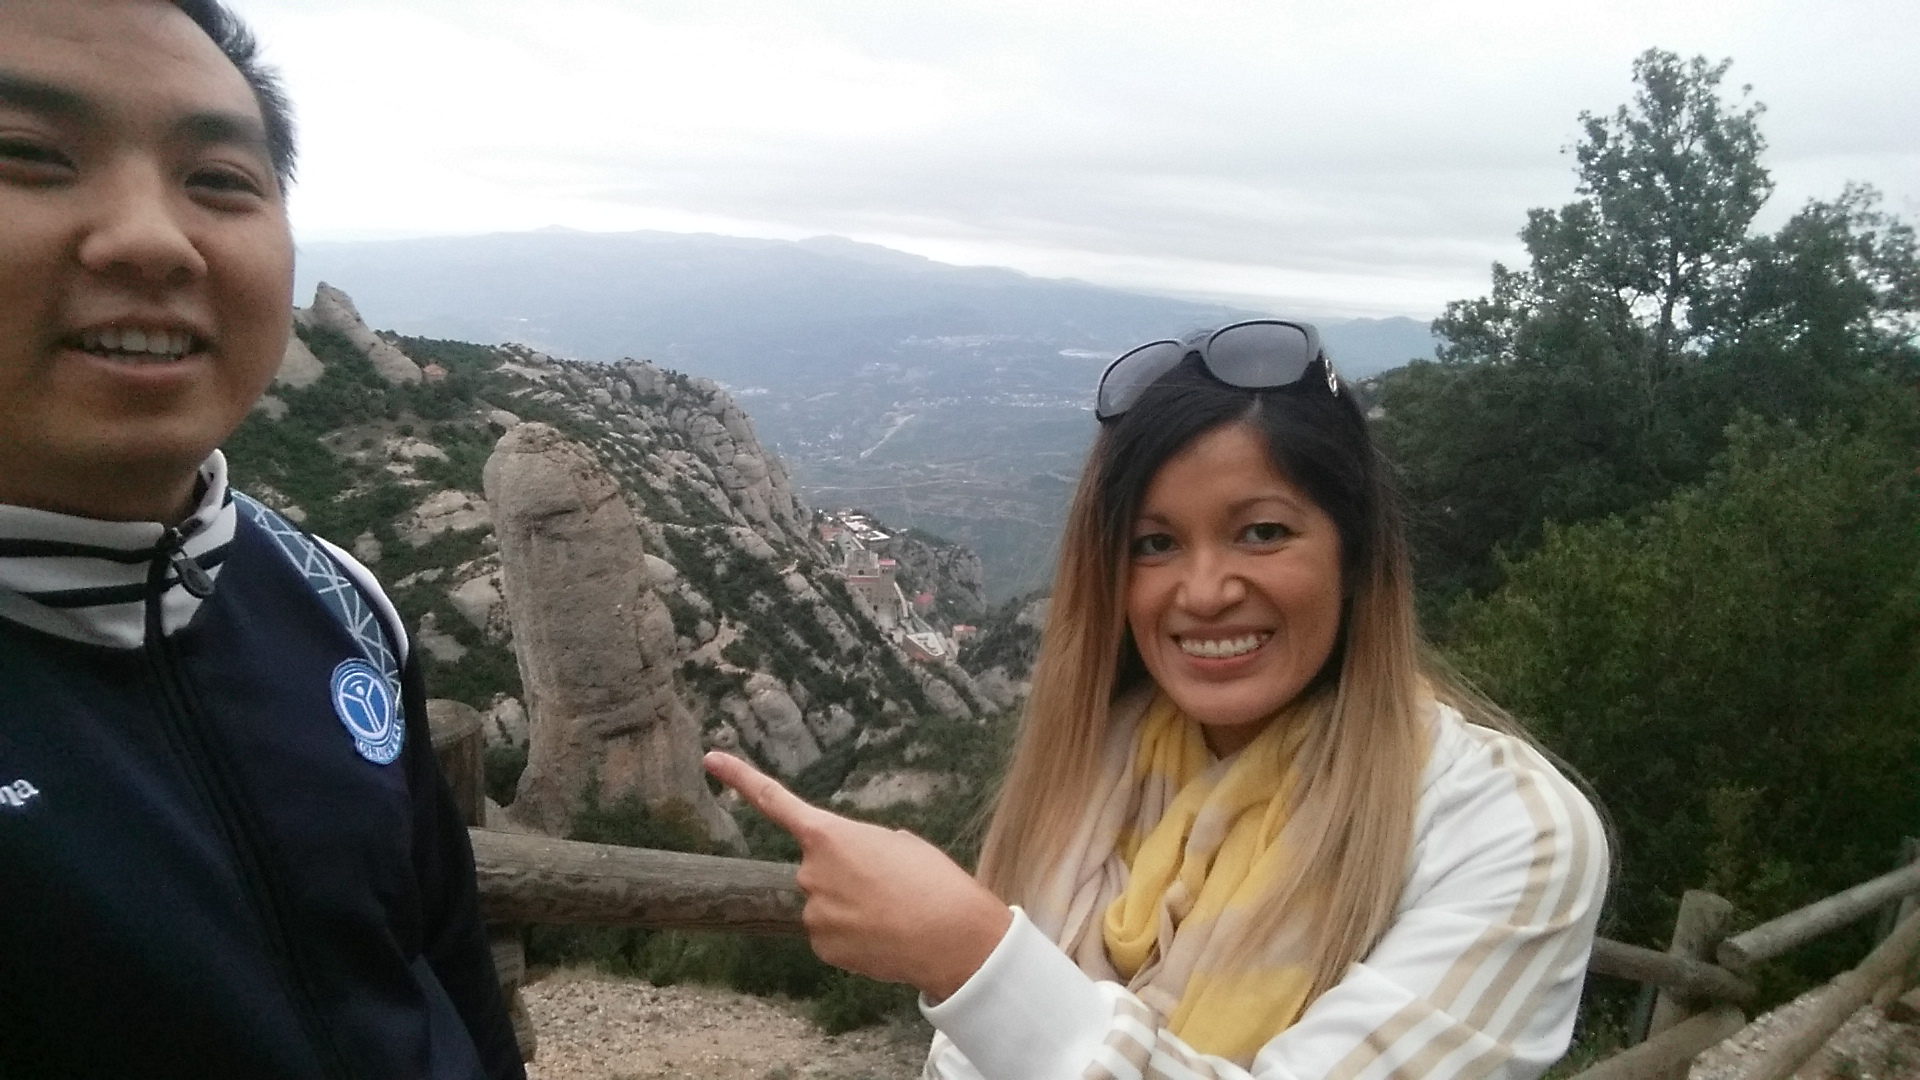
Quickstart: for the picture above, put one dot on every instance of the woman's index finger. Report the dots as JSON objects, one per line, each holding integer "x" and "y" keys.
{"x": 767, "y": 795}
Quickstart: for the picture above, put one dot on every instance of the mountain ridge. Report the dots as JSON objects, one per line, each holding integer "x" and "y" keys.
{"x": 701, "y": 572}
{"x": 950, "y": 398}
{"x": 493, "y": 288}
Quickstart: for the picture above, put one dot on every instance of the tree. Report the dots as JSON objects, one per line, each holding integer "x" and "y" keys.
{"x": 1671, "y": 186}
{"x": 1736, "y": 671}
{"x": 1600, "y": 378}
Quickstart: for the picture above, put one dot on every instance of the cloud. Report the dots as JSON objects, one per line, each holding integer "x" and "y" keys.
{"x": 1348, "y": 152}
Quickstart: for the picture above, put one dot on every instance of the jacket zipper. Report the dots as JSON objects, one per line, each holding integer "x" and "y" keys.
{"x": 217, "y": 790}
{"x": 172, "y": 551}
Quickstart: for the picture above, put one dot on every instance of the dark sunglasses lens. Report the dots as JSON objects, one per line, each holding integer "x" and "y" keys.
{"x": 1130, "y": 376}
{"x": 1258, "y": 355}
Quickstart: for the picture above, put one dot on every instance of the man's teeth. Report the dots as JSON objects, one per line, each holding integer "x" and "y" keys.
{"x": 1221, "y": 648}
{"x": 116, "y": 339}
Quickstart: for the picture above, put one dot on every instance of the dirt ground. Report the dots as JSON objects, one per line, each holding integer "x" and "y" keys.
{"x": 1867, "y": 1047}
{"x": 595, "y": 1027}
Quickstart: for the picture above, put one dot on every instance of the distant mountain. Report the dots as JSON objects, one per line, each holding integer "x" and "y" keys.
{"x": 752, "y": 311}
{"x": 955, "y": 399}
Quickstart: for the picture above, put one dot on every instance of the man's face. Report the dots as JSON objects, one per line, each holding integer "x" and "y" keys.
{"x": 146, "y": 265}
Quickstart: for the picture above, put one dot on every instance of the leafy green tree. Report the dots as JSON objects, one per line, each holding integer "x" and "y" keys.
{"x": 1600, "y": 378}
{"x": 1737, "y": 671}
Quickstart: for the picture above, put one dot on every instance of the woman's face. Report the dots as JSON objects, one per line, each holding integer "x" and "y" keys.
{"x": 1233, "y": 593}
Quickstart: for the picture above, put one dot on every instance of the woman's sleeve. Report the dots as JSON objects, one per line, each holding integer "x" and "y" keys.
{"x": 1479, "y": 975}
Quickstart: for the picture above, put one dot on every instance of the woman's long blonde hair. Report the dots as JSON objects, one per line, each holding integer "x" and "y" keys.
{"x": 1361, "y": 762}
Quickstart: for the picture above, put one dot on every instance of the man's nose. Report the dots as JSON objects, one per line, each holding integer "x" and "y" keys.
{"x": 140, "y": 230}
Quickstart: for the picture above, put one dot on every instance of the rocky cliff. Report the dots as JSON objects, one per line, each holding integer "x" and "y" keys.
{"x": 630, "y": 580}
{"x": 951, "y": 575}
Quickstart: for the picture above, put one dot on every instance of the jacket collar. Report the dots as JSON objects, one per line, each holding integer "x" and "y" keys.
{"x": 92, "y": 581}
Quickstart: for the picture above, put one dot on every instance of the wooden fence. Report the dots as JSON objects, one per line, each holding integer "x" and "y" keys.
{"x": 1703, "y": 981}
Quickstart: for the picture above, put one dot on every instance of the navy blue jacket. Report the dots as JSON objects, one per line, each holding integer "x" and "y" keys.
{"x": 202, "y": 875}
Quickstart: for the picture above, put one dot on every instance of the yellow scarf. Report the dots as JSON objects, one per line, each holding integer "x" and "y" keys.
{"x": 1203, "y": 848}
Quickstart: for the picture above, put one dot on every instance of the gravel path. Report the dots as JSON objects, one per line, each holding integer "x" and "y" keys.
{"x": 595, "y": 1027}
{"x": 1867, "y": 1047}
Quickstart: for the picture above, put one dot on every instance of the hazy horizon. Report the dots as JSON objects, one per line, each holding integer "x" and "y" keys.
{"x": 1367, "y": 159}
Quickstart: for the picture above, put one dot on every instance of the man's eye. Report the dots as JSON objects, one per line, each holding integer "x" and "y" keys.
{"x": 1150, "y": 545}
{"x": 225, "y": 182}
{"x": 33, "y": 159}
{"x": 1266, "y": 532}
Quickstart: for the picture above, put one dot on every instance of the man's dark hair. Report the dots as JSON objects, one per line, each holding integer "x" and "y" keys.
{"x": 239, "y": 45}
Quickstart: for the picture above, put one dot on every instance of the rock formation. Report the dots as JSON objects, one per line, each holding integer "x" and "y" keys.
{"x": 950, "y": 572}
{"x": 770, "y": 722}
{"x": 443, "y": 511}
{"x": 595, "y": 645}
{"x": 505, "y": 723}
{"x": 299, "y": 367}
{"x": 334, "y": 310}
{"x": 732, "y": 627}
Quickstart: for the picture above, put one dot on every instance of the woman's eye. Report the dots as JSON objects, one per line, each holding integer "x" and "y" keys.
{"x": 1266, "y": 532}
{"x": 1150, "y": 545}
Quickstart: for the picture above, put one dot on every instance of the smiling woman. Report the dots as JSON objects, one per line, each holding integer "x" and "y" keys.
{"x": 1247, "y": 831}
{"x": 1233, "y": 599}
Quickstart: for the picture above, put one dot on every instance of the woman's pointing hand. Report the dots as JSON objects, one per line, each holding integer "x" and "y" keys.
{"x": 880, "y": 902}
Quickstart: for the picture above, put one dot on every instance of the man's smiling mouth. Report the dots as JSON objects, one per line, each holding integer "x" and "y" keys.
{"x": 137, "y": 345}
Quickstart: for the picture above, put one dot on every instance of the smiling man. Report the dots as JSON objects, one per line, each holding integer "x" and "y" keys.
{"x": 225, "y": 848}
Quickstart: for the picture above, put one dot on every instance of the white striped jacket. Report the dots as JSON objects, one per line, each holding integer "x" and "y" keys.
{"x": 1478, "y": 976}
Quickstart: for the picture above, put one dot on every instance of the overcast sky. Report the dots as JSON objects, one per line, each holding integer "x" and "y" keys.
{"x": 1367, "y": 157}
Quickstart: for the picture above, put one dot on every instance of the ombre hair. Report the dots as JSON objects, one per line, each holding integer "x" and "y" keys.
{"x": 1360, "y": 765}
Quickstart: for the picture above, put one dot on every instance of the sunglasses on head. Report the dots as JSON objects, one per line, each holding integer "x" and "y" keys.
{"x": 1259, "y": 354}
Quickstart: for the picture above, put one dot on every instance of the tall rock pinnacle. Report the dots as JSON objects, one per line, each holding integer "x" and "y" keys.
{"x": 596, "y": 646}
{"x": 334, "y": 310}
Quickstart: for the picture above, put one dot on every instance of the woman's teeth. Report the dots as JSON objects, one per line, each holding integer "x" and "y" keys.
{"x": 1221, "y": 648}
{"x": 137, "y": 344}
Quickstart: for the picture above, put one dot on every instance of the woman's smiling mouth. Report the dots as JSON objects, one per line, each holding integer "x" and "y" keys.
{"x": 1222, "y": 648}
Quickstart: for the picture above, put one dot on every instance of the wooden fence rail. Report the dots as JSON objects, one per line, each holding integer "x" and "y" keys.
{"x": 1678, "y": 1044}
{"x": 1794, "y": 929}
{"x": 1688, "y": 978}
{"x": 535, "y": 879}
{"x": 1845, "y": 997}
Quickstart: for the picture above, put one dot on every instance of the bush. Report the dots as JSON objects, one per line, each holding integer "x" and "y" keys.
{"x": 851, "y": 1001}
{"x": 1734, "y": 672}
{"x": 503, "y": 765}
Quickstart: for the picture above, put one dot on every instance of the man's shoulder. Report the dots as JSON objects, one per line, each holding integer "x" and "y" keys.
{"x": 330, "y": 570}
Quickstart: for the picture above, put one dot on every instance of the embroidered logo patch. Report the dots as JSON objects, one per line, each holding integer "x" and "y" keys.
{"x": 17, "y": 794}
{"x": 365, "y": 702}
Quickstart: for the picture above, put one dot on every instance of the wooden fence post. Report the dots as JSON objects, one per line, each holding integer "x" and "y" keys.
{"x": 462, "y": 750}
{"x": 1703, "y": 923}
{"x": 510, "y": 962}
{"x": 460, "y": 744}
{"x": 1884, "y": 998}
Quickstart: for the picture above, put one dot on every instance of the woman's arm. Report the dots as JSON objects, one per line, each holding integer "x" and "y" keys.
{"x": 1479, "y": 975}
